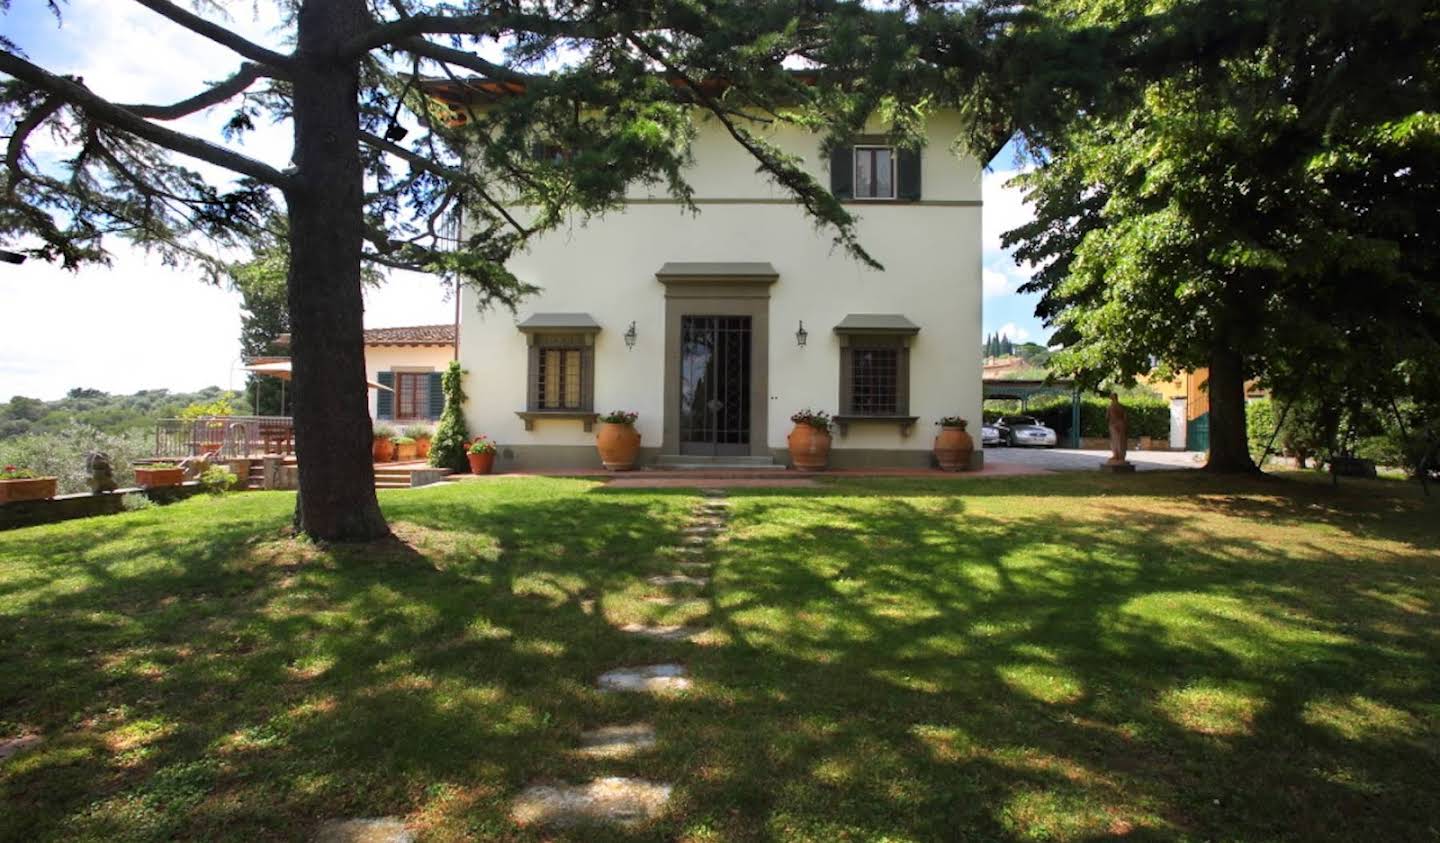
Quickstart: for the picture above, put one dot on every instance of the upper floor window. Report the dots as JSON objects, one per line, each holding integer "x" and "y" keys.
{"x": 874, "y": 172}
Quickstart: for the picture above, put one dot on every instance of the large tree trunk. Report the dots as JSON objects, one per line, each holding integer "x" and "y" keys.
{"x": 332, "y": 417}
{"x": 1229, "y": 440}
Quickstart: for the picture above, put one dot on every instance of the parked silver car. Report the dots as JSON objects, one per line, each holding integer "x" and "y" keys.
{"x": 989, "y": 434}
{"x": 1026, "y": 431}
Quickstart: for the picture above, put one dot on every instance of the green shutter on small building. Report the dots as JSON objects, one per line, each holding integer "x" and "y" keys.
{"x": 385, "y": 398}
{"x": 437, "y": 396}
{"x": 842, "y": 172}
{"x": 907, "y": 174}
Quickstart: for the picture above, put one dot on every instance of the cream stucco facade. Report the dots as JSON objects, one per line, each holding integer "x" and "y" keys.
{"x": 930, "y": 248}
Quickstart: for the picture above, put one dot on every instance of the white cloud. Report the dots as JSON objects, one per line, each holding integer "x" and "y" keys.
{"x": 1012, "y": 331}
{"x": 138, "y": 324}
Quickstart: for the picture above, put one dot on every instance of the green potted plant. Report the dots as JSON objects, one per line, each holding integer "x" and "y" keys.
{"x": 953, "y": 446}
{"x": 404, "y": 448}
{"x": 159, "y": 475}
{"x": 20, "y": 484}
{"x": 618, "y": 441}
{"x": 421, "y": 434}
{"x": 481, "y": 455}
{"x": 809, "y": 441}
{"x": 382, "y": 448}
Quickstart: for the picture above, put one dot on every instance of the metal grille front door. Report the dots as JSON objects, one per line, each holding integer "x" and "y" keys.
{"x": 715, "y": 385}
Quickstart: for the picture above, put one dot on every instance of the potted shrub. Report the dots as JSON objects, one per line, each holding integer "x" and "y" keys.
{"x": 19, "y": 484}
{"x": 158, "y": 475}
{"x": 953, "y": 446}
{"x": 404, "y": 448}
{"x": 618, "y": 441}
{"x": 421, "y": 434}
{"x": 481, "y": 455}
{"x": 383, "y": 449}
{"x": 810, "y": 440}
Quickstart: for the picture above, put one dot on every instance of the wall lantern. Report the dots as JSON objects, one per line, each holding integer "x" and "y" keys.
{"x": 630, "y": 336}
{"x": 801, "y": 335}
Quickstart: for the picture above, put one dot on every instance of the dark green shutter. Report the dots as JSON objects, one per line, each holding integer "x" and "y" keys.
{"x": 384, "y": 398}
{"x": 907, "y": 178}
{"x": 437, "y": 396}
{"x": 842, "y": 172}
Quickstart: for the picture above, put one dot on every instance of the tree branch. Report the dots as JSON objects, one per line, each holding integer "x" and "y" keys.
{"x": 396, "y": 31}
{"x": 243, "y": 78}
{"x": 450, "y": 55}
{"x": 280, "y": 64}
{"x": 15, "y": 150}
{"x": 450, "y": 174}
{"x": 117, "y": 117}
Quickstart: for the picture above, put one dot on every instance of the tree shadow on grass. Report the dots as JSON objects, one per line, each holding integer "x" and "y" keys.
{"x": 903, "y": 666}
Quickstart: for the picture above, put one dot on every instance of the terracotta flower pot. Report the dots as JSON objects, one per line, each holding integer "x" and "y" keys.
{"x": 953, "y": 449}
{"x": 383, "y": 450}
{"x": 404, "y": 451}
{"x": 809, "y": 447}
{"x": 619, "y": 446}
{"x": 422, "y": 447}
{"x": 29, "y": 489}
{"x": 155, "y": 478}
{"x": 481, "y": 463}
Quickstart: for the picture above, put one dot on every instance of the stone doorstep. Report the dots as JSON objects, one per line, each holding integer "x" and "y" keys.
{"x": 15, "y": 746}
{"x": 381, "y": 830}
{"x": 664, "y": 632}
{"x": 678, "y": 579}
{"x": 617, "y": 741}
{"x": 652, "y": 679}
{"x": 618, "y": 800}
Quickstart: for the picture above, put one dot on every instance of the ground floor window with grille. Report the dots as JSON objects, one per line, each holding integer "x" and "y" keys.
{"x": 560, "y": 379}
{"x": 875, "y": 381}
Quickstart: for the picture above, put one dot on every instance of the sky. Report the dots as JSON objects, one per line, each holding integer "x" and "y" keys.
{"x": 137, "y": 324}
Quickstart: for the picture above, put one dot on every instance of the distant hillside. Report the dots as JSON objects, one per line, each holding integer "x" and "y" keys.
{"x": 109, "y": 413}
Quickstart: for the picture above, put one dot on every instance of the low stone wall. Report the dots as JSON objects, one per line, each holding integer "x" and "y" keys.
{"x": 85, "y": 505}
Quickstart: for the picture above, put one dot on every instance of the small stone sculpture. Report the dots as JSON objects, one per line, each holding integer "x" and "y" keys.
{"x": 1119, "y": 436}
{"x": 100, "y": 475}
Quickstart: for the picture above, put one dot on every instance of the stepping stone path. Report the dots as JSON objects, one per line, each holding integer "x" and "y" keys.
{"x": 616, "y": 800}
{"x": 14, "y": 746}
{"x": 617, "y": 741}
{"x": 381, "y": 830}
{"x": 651, "y": 679}
{"x": 664, "y": 633}
{"x": 613, "y": 799}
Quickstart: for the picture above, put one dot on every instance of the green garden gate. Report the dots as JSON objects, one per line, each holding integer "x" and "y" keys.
{"x": 1197, "y": 433}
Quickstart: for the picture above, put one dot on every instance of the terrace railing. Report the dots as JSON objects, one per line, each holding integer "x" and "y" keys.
{"x": 225, "y": 437}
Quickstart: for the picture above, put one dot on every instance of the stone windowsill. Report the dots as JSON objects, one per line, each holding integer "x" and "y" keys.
{"x": 905, "y": 423}
{"x": 586, "y": 417}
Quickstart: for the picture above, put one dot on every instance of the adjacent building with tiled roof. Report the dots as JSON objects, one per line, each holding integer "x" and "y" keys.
{"x": 411, "y": 335}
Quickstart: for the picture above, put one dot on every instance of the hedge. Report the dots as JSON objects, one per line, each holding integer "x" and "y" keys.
{"x": 1148, "y": 416}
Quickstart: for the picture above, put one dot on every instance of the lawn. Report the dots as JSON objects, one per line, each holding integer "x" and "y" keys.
{"x": 1042, "y": 658}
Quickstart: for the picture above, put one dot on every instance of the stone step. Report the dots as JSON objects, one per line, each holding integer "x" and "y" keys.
{"x": 664, "y": 632}
{"x": 678, "y": 579}
{"x": 379, "y": 830}
{"x": 613, "y": 800}
{"x": 651, "y": 679}
{"x": 617, "y": 741}
{"x": 680, "y": 461}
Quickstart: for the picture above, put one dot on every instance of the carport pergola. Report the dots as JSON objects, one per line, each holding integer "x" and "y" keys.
{"x": 1023, "y": 391}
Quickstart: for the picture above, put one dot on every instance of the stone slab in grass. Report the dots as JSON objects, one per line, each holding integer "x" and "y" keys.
{"x": 707, "y": 528}
{"x": 378, "y": 830}
{"x": 664, "y": 632}
{"x": 617, "y": 741}
{"x": 609, "y": 801}
{"x": 678, "y": 579}
{"x": 665, "y": 600}
{"x": 694, "y": 565}
{"x": 15, "y": 746}
{"x": 653, "y": 679}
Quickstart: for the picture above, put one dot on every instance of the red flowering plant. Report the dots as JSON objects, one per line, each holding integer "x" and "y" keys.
{"x": 16, "y": 473}
{"x": 619, "y": 417}
{"x": 481, "y": 445}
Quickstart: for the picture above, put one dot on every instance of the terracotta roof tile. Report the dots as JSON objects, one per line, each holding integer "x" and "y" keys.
{"x": 411, "y": 335}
